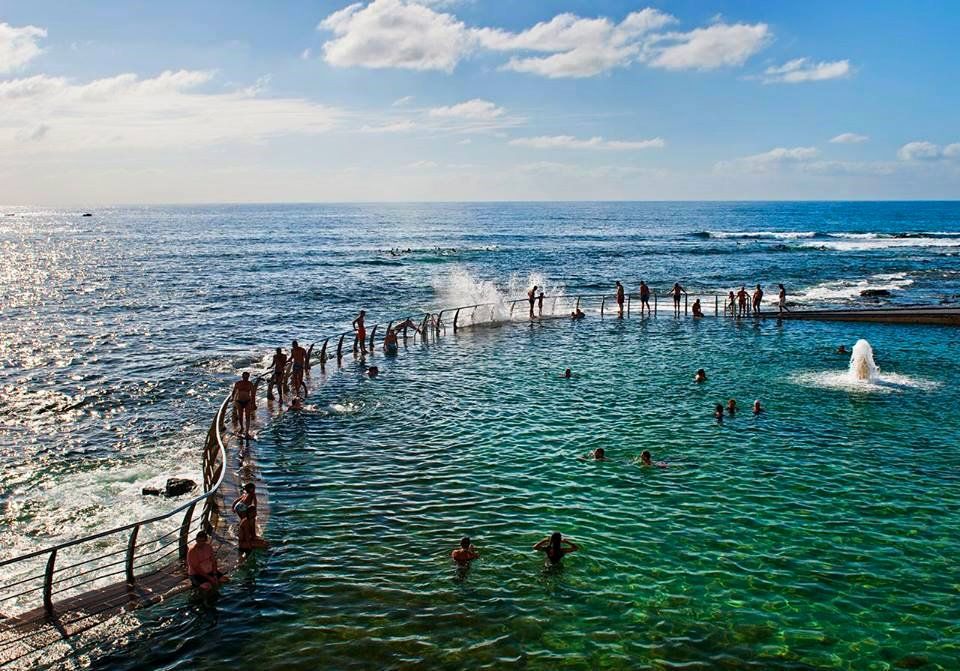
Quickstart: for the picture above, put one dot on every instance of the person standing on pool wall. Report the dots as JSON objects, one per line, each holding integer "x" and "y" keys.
{"x": 677, "y": 291}
{"x": 276, "y": 379}
{"x": 782, "y": 299}
{"x": 361, "y": 330}
{"x": 555, "y": 546}
{"x": 242, "y": 397}
{"x": 299, "y": 356}
{"x": 644, "y": 297}
{"x": 531, "y": 297}
{"x": 757, "y": 298}
{"x": 619, "y": 299}
{"x": 540, "y": 304}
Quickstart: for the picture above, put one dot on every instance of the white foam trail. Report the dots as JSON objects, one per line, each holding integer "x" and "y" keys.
{"x": 760, "y": 235}
{"x": 459, "y": 287}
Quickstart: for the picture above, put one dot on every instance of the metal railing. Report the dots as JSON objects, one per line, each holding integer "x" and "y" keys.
{"x": 141, "y": 553}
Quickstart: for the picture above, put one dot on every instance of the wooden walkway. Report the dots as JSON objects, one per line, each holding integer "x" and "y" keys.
{"x": 942, "y": 315}
{"x": 27, "y": 639}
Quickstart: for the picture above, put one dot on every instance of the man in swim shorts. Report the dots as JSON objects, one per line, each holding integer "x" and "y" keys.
{"x": 466, "y": 553}
{"x": 299, "y": 356}
{"x": 742, "y": 301}
{"x": 531, "y": 297}
{"x": 361, "y": 329}
{"x": 390, "y": 342}
{"x": 757, "y": 298}
{"x": 242, "y": 397}
{"x": 677, "y": 291}
{"x": 619, "y": 299}
{"x": 279, "y": 367}
{"x": 644, "y": 297}
{"x": 697, "y": 310}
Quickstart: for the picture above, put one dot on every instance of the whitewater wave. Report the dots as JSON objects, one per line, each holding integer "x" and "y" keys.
{"x": 459, "y": 287}
{"x": 756, "y": 235}
{"x": 850, "y": 290}
{"x": 870, "y": 242}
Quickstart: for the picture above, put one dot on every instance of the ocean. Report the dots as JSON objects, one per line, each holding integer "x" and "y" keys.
{"x": 820, "y": 534}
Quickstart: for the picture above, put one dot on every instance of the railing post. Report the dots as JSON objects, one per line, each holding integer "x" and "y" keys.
{"x": 513, "y": 304}
{"x": 654, "y": 302}
{"x": 185, "y": 531}
{"x": 684, "y": 303}
{"x": 578, "y": 303}
{"x": 131, "y": 551}
{"x": 323, "y": 355}
{"x": 716, "y": 305}
{"x": 628, "y": 305}
{"x": 340, "y": 349}
{"x": 439, "y": 317}
{"x": 603, "y": 302}
{"x": 553, "y": 309}
{"x": 48, "y": 583}
{"x": 455, "y": 318}
{"x": 423, "y": 328}
{"x": 372, "y": 334}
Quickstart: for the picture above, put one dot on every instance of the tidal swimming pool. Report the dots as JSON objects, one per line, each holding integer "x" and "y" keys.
{"x": 821, "y": 534}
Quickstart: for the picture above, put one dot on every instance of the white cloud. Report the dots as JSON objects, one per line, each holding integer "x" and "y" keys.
{"x": 719, "y": 45}
{"x": 395, "y": 34}
{"x": 18, "y": 46}
{"x": 475, "y": 110}
{"x": 395, "y": 127}
{"x": 422, "y": 165}
{"x": 804, "y": 70}
{"x": 849, "y": 138}
{"x": 928, "y": 151}
{"x": 126, "y": 112}
{"x": 769, "y": 160}
{"x": 465, "y": 141}
{"x": 306, "y": 54}
{"x": 400, "y": 102}
{"x": 570, "y": 142}
{"x": 408, "y": 34}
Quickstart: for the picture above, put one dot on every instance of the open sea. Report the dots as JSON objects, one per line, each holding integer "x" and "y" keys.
{"x": 821, "y": 534}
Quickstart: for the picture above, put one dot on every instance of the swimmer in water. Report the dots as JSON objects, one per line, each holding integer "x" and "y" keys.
{"x": 598, "y": 454}
{"x": 756, "y": 407}
{"x": 390, "y": 342}
{"x": 732, "y": 407}
{"x": 842, "y": 349}
{"x": 373, "y": 371}
{"x": 296, "y": 403}
{"x": 242, "y": 397}
{"x": 567, "y": 374}
{"x": 466, "y": 553}
{"x": 556, "y": 547}
{"x": 647, "y": 460}
{"x": 701, "y": 376}
{"x": 718, "y": 413}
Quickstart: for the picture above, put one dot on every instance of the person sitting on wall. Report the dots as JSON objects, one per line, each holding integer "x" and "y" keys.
{"x": 202, "y": 564}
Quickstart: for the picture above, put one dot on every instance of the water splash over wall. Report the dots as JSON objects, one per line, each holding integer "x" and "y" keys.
{"x": 460, "y": 287}
{"x": 862, "y": 366}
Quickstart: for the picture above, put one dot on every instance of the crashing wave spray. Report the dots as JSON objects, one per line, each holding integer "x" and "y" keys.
{"x": 862, "y": 366}
{"x": 459, "y": 288}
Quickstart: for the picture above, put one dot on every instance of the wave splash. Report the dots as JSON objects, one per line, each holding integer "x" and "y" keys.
{"x": 460, "y": 287}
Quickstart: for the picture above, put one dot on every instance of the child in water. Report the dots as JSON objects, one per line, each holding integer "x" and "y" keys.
{"x": 718, "y": 413}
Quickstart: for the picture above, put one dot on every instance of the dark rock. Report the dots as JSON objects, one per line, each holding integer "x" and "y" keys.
{"x": 911, "y": 662}
{"x": 875, "y": 293}
{"x": 86, "y": 214}
{"x": 151, "y": 491}
{"x": 178, "y": 486}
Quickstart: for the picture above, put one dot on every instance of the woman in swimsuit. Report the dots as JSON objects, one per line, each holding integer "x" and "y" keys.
{"x": 556, "y": 546}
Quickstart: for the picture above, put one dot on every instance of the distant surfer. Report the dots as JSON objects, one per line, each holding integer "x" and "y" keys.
{"x": 555, "y": 546}
{"x": 279, "y": 366}
{"x": 644, "y": 297}
{"x": 299, "y": 356}
{"x": 757, "y": 298}
{"x": 390, "y": 342}
{"x": 361, "y": 329}
{"x": 532, "y": 297}
{"x": 677, "y": 291}
{"x": 242, "y": 397}
{"x": 619, "y": 299}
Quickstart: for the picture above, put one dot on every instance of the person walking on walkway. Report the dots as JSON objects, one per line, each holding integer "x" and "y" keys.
{"x": 757, "y": 298}
{"x": 782, "y": 299}
{"x": 644, "y": 297}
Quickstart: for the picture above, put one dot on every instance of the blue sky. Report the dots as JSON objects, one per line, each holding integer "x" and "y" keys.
{"x": 137, "y": 102}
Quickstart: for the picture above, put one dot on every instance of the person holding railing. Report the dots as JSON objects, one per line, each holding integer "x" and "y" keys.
{"x": 742, "y": 301}
{"x": 677, "y": 291}
{"x": 202, "y": 564}
{"x": 531, "y": 297}
{"x": 619, "y": 300}
{"x": 731, "y": 304}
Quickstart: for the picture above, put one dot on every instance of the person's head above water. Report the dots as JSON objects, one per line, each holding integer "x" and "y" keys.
{"x": 567, "y": 373}
{"x": 373, "y": 371}
{"x": 756, "y": 407}
{"x": 718, "y": 411}
{"x": 645, "y": 457}
{"x": 732, "y": 404}
{"x": 465, "y": 542}
{"x": 599, "y": 453}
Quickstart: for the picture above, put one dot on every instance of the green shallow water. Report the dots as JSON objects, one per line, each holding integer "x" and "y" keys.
{"x": 822, "y": 534}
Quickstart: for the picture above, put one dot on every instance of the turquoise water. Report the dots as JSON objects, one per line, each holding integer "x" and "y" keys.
{"x": 821, "y": 534}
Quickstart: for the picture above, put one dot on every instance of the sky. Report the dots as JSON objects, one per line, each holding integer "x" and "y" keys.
{"x": 141, "y": 102}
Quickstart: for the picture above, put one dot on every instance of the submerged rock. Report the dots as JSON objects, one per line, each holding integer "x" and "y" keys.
{"x": 151, "y": 491}
{"x": 178, "y": 486}
{"x": 875, "y": 293}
